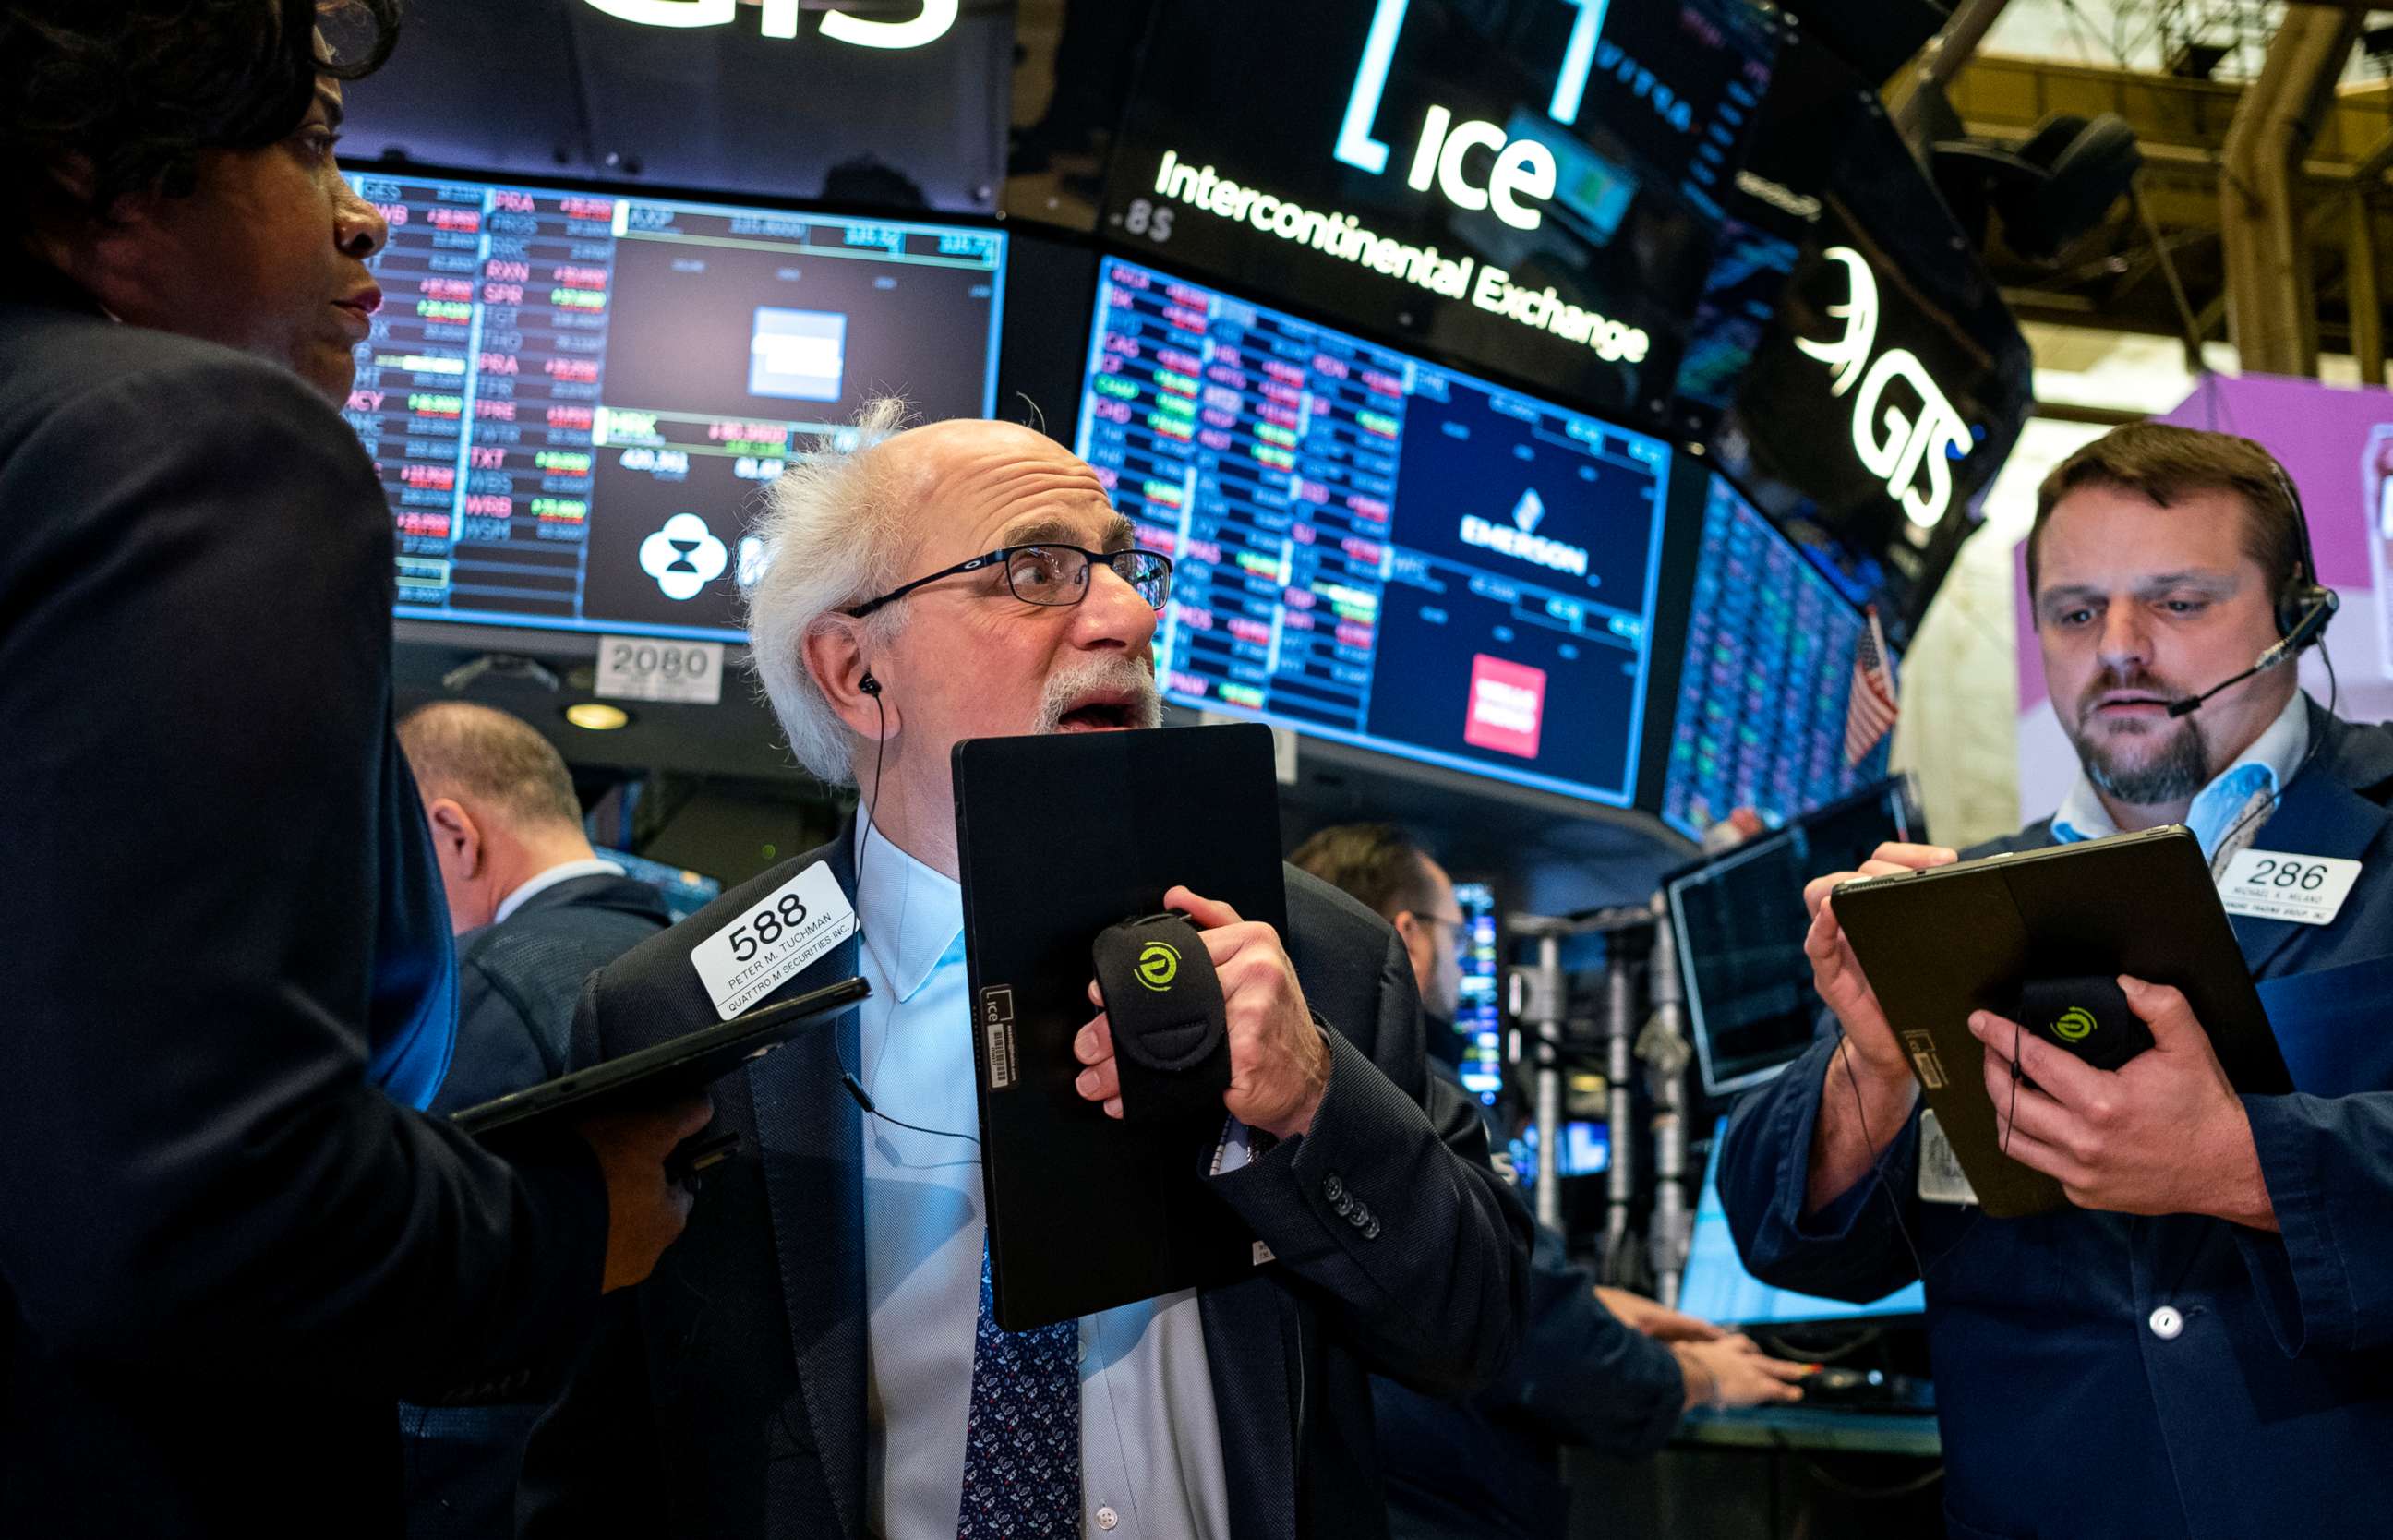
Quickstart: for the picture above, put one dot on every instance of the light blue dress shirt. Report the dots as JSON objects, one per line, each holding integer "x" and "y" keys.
{"x": 2230, "y": 804}
{"x": 1150, "y": 1439}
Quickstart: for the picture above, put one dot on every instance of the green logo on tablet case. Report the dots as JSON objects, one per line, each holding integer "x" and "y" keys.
{"x": 1157, "y": 965}
{"x": 2075, "y": 1025}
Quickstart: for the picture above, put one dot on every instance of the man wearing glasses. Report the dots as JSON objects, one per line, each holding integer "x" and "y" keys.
{"x": 823, "y": 1363}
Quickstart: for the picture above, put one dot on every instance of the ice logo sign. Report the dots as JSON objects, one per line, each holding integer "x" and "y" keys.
{"x": 683, "y": 556}
{"x": 781, "y": 19}
{"x": 1522, "y": 174}
{"x": 1895, "y": 444}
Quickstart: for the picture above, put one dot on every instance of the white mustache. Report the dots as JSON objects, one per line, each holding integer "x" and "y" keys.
{"x": 1109, "y": 675}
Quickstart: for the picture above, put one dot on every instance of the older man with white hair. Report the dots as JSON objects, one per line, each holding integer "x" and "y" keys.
{"x": 819, "y": 1358}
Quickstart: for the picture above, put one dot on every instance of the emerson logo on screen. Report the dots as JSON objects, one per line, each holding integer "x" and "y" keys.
{"x": 1520, "y": 539}
{"x": 780, "y": 19}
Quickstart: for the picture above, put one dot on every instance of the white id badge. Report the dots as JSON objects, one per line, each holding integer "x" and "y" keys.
{"x": 1940, "y": 1177}
{"x": 773, "y": 940}
{"x": 2275, "y": 884}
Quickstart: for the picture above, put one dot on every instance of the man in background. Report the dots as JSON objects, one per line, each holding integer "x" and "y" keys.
{"x": 1598, "y": 1366}
{"x": 535, "y": 913}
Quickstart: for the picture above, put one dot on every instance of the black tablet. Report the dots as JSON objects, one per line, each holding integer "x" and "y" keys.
{"x": 662, "y": 1073}
{"x": 1939, "y": 943}
{"x": 1057, "y": 838}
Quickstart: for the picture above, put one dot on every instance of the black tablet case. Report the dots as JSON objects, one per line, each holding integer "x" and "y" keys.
{"x": 662, "y": 1072}
{"x": 1058, "y": 836}
{"x": 1939, "y": 943}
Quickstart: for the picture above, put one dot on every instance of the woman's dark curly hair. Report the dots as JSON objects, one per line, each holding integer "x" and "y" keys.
{"x": 134, "y": 91}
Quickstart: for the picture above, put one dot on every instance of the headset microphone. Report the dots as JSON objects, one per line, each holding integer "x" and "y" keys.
{"x": 2314, "y": 618}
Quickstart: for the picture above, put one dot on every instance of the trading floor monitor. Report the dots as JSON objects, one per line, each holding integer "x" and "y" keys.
{"x": 1374, "y": 548}
{"x": 1478, "y": 1022}
{"x": 1716, "y": 1287}
{"x": 576, "y": 399}
{"x": 1767, "y": 678}
{"x": 1739, "y": 922}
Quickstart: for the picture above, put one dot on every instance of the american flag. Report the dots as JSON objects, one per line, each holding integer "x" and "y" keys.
{"x": 1870, "y": 710}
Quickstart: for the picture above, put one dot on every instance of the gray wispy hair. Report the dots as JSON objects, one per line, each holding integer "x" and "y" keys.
{"x": 833, "y": 531}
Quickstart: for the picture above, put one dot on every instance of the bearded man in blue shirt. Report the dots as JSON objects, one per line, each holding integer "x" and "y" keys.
{"x": 2202, "y": 1345}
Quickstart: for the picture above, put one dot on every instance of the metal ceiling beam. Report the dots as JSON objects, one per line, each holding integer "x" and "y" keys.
{"x": 1940, "y": 59}
{"x": 2271, "y": 313}
{"x": 2363, "y": 300}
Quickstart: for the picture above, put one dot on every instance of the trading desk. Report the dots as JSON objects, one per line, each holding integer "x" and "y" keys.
{"x": 1766, "y": 1472}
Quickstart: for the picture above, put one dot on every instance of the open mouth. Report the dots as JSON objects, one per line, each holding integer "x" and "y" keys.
{"x": 1098, "y": 716}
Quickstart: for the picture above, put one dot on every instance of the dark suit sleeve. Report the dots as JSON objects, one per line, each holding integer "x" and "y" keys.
{"x": 1583, "y": 1374}
{"x": 1388, "y": 1206}
{"x": 1852, "y": 1248}
{"x": 194, "y": 697}
{"x": 592, "y": 1466}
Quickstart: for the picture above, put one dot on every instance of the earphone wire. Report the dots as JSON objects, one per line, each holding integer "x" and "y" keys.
{"x": 1877, "y": 1164}
{"x": 855, "y": 1087}
{"x": 2310, "y": 582}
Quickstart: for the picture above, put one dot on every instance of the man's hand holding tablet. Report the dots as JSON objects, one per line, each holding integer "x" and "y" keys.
{"x": 1870, "y": 1090}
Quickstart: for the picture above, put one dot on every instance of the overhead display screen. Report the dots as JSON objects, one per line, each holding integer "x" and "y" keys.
{"x": 1375, "y": 550}
{"x": 903, "y": 101}
{"x": 575, "y": 400}
{"x": 1528, "y": 186}
{"x": 1888, "y": 387}
{"x": 1769, "y": 670}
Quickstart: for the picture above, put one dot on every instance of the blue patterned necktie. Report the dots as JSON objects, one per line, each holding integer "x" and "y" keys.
{"x": 1022, "y": 1437}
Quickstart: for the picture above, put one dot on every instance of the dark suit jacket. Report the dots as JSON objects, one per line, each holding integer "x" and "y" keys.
{"x": 2064, "y": 1412}
{"x": 727, "y": 1402}
{"x": 1490, "y": 1466}
{"x": 517, "y": 982}
{"x": 223, "y": 1253}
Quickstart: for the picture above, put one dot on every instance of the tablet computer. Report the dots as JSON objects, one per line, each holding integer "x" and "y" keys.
{"x": 1936, "y": 945}
{"x": 1058, "y": 836}
{"x": 661, "y": 1073}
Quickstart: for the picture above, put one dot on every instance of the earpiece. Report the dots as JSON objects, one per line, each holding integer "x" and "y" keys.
{"x": 2304, "y": 605}
{"x": 869, "y": 684}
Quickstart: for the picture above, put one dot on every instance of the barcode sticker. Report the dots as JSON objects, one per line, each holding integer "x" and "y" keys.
{"x": 997, "y": 1021}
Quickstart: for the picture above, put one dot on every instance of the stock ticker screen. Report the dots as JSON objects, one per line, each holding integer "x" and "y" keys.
{"x": 1768, "y": 670}
{"x": 1375, "y": 550}
{"x": 576, "y": 399}
{"x": 1478, "y": 1021}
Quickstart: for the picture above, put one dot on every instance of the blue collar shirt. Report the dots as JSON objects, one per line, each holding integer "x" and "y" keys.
{"x": 2227, "y": 813}
{"x": 1150, "y": 1442}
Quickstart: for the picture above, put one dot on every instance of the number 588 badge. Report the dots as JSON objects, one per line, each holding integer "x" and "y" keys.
{"x": 773, "y": 940}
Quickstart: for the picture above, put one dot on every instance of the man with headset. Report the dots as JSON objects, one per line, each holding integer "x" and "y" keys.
{"x": 2203, "y": 1344}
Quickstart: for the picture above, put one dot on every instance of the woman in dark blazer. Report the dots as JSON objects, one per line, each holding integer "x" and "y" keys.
{"x": 227, "y": 1243}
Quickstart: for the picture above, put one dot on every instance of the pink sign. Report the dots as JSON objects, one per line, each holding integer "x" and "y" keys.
{"x": 1507, "y": 703}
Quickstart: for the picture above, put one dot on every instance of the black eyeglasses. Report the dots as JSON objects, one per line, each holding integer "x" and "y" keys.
{"x": 1050, "y": 574}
